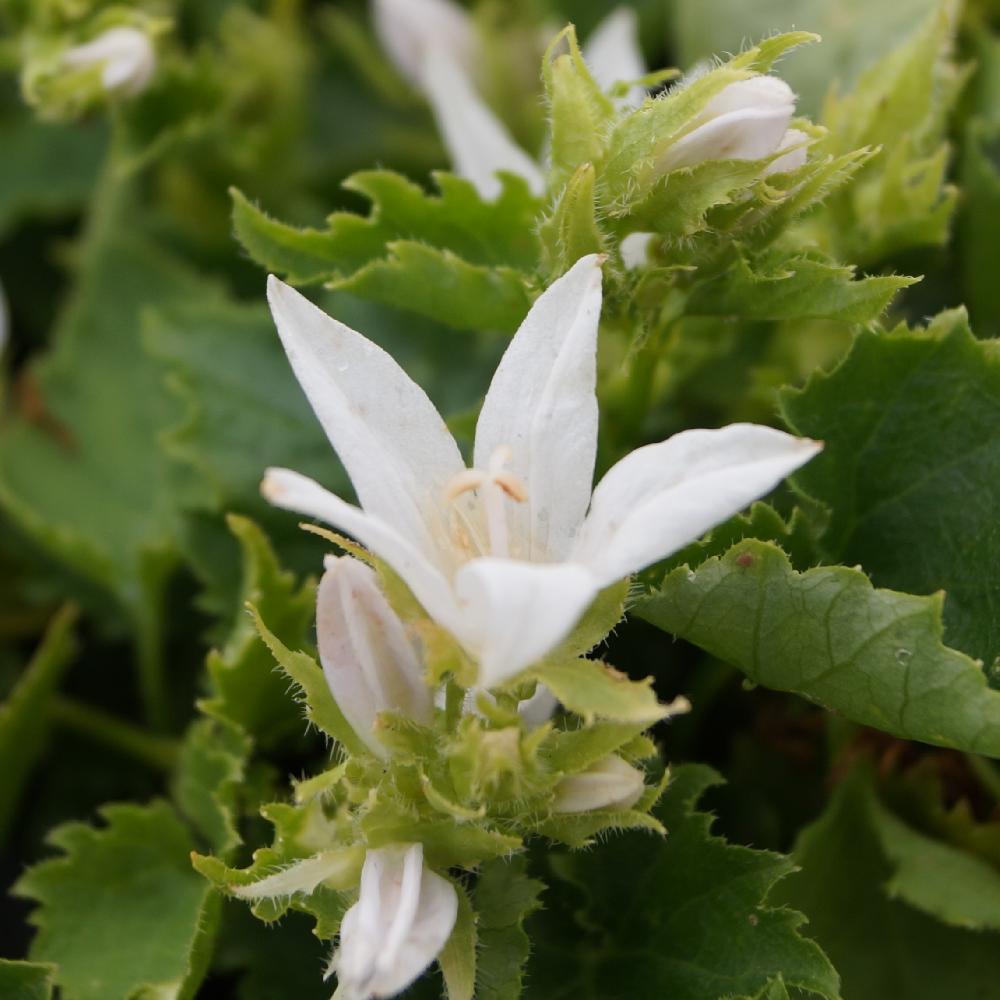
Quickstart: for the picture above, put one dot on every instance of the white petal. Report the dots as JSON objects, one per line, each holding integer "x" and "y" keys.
{"x": 542, "y": 403}
{"x": 634, "y": 249}
{"x": 539, "y": 708}
{"x": 477, "y": 141}
{"x": 127, "y": 56}
{"x": 369, "y": 662}
{"x": 745, "y": 134}
{"x": 395, "y": 446}
{"x": 517, "y": 612}
{"x": 611, "y": 783}
{"x": 796, "y": 141}
{"x": 613, "y": 55}
{"x": 293, "y": 491}
{"x": 403, "y": 918}
{"x": 663, "y": 496}
{"x": 407, "y": 29}
{"x": 756, "y": 93}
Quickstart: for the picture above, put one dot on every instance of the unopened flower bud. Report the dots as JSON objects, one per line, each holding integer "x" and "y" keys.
{"x": 125, "y": 54}
{"x": 402, "y": 919}
{"x": 368, "y": 659}
{"x": 609, "y": 784}
{"x": 745, "y": 121}
{"x": 409, "y": 29}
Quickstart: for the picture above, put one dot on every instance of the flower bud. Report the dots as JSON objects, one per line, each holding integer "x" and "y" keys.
{"x": 608, "y": 784}
{"x": 409, "y": 29}
{"x": 125, "y": 54}
{"x": 795, "y": 140}
{"x": 745, "y": 121}
{"x": 402, "y": 919}
{"x": 369, "y": 661}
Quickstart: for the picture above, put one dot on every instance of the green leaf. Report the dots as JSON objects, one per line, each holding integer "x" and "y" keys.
{"x": 24, "y": 714}
{"x": 121, "y": 911}
{"x": 911, "y": 422}
{"x": 882, "y": 947}
{"x": 505, "y": 896}
{"x": 206, "y": 785}
{"x": 444, "y": 287}
{"x": 875, "y": 656}
{"x": 777, "y": 285}
{"x": 26, "y": 980}
{"x": 682, "y": 917}
{"x": 246, "y": 688}
{"x": 81, "y": 479}
{"x": 975, "y": 232}
{"x": 458, "y": 958}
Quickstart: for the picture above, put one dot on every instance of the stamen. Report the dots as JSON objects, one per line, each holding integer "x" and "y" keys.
{"x": 467, "y": 479}
{"x": 512, "y": 486}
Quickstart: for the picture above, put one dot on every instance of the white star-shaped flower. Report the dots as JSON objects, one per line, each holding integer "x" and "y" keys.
{"x": 508, "y": 555}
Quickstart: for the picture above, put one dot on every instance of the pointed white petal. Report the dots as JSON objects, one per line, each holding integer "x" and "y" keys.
{"x": 542, "y": 403}
{"x": 613, "y": 55}
{"x": 663, "y": 496}
{"x": 403, "y": 918}
{"x": 395, "y": 446}
{"x": 746, "y": 134}
{"x": 407, "y": 29}
{"x": 517, "y": 612}
{"x": 477, "y": 141}
{"x": 611, "y": 783}
{"x": 293, "y": 491}
{"x": 369, "y": 662}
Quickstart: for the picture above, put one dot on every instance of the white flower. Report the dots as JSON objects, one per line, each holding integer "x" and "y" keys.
{"x": 433, "y": 44}
{"x": 747, "y": 120}
{"x": 402, "y": 919}
{"x": 505, "y": 555}
{"x": 369, "y": 662}
{"x": 611, "y": 783}
{"x": 126, "y": 55}
{"x": 794, "y": 140}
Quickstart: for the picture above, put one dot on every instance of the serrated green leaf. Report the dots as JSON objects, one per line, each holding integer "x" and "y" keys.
{"x": 841, "y": 888}
{"x": 442, "y": 286}
{"x": 26, "y": 980}
{"x": 682, "y": 917}
{"x": 779, "y": 285}
{"x": 504, "y": 897}
{"x": 875, "y": 656}
{"x": 24, "y": 714}
{"x": 911, "y": 422}
{"x": 121, "y": 911}
{"x": 246, "y": 688}
{"x": 481, "y": 233}
{"x": 594, "y": 690}
{"x": 207, "y": 780}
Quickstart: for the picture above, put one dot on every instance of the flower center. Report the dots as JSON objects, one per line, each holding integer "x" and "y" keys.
{"x": 494, "y": 486}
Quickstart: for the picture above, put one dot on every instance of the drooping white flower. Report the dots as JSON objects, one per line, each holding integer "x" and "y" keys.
{"x": 126, "y": 55}
{"x": 612, "y": 54}
{"x": 747, "y": 120}
{"x": 506, "y": 555}
{"x": 611, "y": 783}
{"x": 402, "y": 919}
{"x": 369, "y": 661}
{"x": 433, "y": 44}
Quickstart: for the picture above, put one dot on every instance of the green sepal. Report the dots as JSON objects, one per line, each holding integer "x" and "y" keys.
{"x": 312, "y": 690}
{"x": 458, "y": 957}
{"x": 572, "y": 230}
{"x": 27, "y": 980}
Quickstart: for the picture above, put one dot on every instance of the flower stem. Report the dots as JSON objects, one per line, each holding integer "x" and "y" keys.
{"x": 158, "y": 752}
